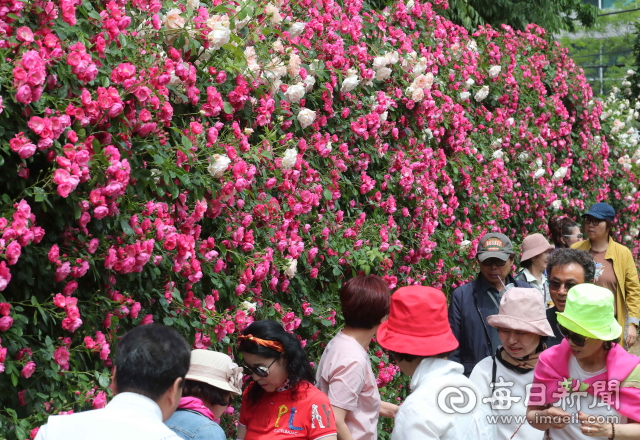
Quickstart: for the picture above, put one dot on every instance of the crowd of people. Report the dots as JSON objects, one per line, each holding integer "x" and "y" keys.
{"x": 541, "y": 353}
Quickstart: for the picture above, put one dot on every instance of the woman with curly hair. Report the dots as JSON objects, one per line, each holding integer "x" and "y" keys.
{"x": 281, "y": 399}
{"x": 564, "y": 231}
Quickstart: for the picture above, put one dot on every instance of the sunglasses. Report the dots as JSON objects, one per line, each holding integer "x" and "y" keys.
{"x": 577, "y": 339}
{"x": 493, "y": 262}
{"x": 578, "y": 236}
{"x": 592, "y": 221}
{"x": 260, "y": 370}
{"x": 556, "y": 286}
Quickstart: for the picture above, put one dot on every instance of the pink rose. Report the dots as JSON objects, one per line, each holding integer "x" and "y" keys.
{"x": 54, "y": 253}
{"x": 148, "y": 319}
{"x": 5, "y": 309}
{"x": 59, "y": 300}
{"x": 135, "y": 309}
{"x": 93, "y": 246}
{"x": 5, "y": 323}
{"x": 13, "y": 252}
{"x": 100, "y": 401}
{"x": 100, "y": 212}
{"x": 62, "y": 272}
{"x": 61, "y": 357}
{"x": 28, "y": 369}
{"x": 23, "y": 95}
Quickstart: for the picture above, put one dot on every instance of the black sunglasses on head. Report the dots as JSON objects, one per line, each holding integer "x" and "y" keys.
{"x": 577, "y": 339}
{"x": 260, "y": 370}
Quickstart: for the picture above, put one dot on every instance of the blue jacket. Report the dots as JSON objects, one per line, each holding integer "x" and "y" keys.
{"x": 469, "y": 306}
{"x": 190, "y": 425}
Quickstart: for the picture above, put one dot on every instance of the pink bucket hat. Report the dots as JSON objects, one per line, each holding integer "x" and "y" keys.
{"x": 522, "y": 309}
{"x": 534, "y": 245}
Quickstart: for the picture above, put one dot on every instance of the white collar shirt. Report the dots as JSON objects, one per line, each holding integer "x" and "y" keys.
{"x": 425, "y": 414}
{"x": 541, "y": 285}
{"x": 129, "y": 416}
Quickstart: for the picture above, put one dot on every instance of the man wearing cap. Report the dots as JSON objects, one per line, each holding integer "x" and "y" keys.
{"x": 444, "y": 404}
{"x": 471, "y": 303}
{"x": 615, "y": 268}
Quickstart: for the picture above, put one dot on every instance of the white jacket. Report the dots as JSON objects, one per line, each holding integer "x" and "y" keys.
{"x": 128, "y": 416}
{"x": 423, "y": 417}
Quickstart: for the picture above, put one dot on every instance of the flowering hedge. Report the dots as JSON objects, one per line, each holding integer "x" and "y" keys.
{"x": 206, "y": 165}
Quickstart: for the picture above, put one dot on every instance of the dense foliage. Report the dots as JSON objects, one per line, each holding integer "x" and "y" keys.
{"x": 205, "y": 165}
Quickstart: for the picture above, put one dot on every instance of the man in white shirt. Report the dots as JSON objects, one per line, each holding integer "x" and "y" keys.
{"x": 443, "y": 403}
{"x": 151, "y": 364}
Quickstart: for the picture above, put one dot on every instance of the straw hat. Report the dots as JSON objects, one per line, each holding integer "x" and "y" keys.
{"x": 522, "y": 309}
{"x": 215, "y": 369}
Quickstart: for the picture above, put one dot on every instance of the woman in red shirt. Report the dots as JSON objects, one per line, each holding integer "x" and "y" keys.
{"x": 281, "y": 402}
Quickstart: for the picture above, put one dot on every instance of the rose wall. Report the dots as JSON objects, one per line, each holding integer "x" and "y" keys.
{"x": 204, "y": 165}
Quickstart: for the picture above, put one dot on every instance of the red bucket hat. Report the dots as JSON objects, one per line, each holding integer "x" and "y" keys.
{"x": 418, "y": 323}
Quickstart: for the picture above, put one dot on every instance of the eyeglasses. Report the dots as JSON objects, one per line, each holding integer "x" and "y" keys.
{"x": 555, "y": 286}
{"x": 578, "y": 236}
{"x": 593, "y": 221}
{"x": 577, "y": 339}
{"x": 260, "y": 370}
{"x": 493, "y": 262}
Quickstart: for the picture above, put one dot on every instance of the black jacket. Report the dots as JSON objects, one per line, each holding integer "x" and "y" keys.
{"x": 469, "y": 307}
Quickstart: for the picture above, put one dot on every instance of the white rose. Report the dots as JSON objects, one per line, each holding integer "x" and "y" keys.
{"x": 383, "y": 117}
{"x": 295, "y": 93}
{"x": 306, "y": 117}
{"x": 392, "y": 57}
{"x": 494, "y": 72}
{"x": 292, "y": 269}
{"x": 215, "y": 19}
{"x": 290, "y": 158}
{"x": 423, "y": 81}
{"x": 464, "y": 245}
{"x": 420, "y": 67}
{"x": 410, "y": 5}
{"x": 497, "y": 154}
{"x": 383, "y": 74}
{"x": 510, "y": 122}
{"x": 309, "y": 83}
{"x": 296, "y": 29}
{"x": 468, "y": 83}
{"x": 349, "y": 84}
{"x": 630, "y": 72}
{"x": 219, "y": 165}
{"x": 193, "y": 4}
{"x": 556, "y": 204}
{"x": 277, "y": 46}
{"x": 328, "y": 146}
{"x": 482, "y": 93}
{"x": 273, "y": 13}
{"x": 173, "y": 20}
{"x": 560, "y": 173}
{"x": 428, "y": 133}
{"x": 472, "y": 45}
{"x": 417, "y": 95}
{"x": 294, "y": 65}
{"x": 274, "y": 86}
{"x": 248, "y": 131}
{"x": 464, "y": 96}
{"x": 497, "y": 143}
{"x": 379, "y": 62}
{"x": 248, "y": 306}
{"x": 219, "y": 36}
{"x": 539, "y": 173}
{"x": 314, "y": 66}
{"x": 522, "y": 157}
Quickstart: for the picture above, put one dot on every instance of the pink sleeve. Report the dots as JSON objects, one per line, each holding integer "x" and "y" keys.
{"x": 346, "y": 381}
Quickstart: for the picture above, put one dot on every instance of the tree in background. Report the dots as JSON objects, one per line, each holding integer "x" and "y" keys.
{"x": 605, "y": 50}
{"x": 554, "y": 16}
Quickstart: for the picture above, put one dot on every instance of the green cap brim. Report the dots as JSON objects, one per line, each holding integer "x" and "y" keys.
{"x": 606, "y": 334}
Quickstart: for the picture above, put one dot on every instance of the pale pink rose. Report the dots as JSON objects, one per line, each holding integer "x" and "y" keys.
{"x": 28, "y": 369}
{"x": 173, "y": 20}
{"x": 5, "y": 323}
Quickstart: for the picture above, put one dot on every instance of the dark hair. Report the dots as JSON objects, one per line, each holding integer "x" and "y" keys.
{"x": 298, "y": 364}
{"x": 149, "y": 359}
{"x": 399, "y": 357}
{"x": 365, "y": 300}
{"x": 608, "y": 345}
{"x": 565, "y": 257}
{"x": 527, "y": 263}
{"x": 205, "y": 392}
{"x": 560, "y": 226}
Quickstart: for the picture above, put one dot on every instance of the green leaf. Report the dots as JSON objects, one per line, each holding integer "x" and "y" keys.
{"x": 125, "y": 227}
{"x": 326, "y": 323}
{"x": 158, "y": 159}
{"x": 228, "y": 109}
{"x": 167, "y": 320}
{"x": 327, "y": 194}
{"x": 104, "y": 381}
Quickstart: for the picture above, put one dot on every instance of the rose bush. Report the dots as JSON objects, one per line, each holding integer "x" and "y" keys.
{"x": 208, "y": 164}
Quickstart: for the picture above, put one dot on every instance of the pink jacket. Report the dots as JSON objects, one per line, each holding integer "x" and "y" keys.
{"x": 552, "y": 372}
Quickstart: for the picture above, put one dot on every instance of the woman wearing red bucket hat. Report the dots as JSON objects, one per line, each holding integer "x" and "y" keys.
{"x": 444, "y": 402}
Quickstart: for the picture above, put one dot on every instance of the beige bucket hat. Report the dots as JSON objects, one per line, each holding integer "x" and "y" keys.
{"x": 215, "y": 369}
